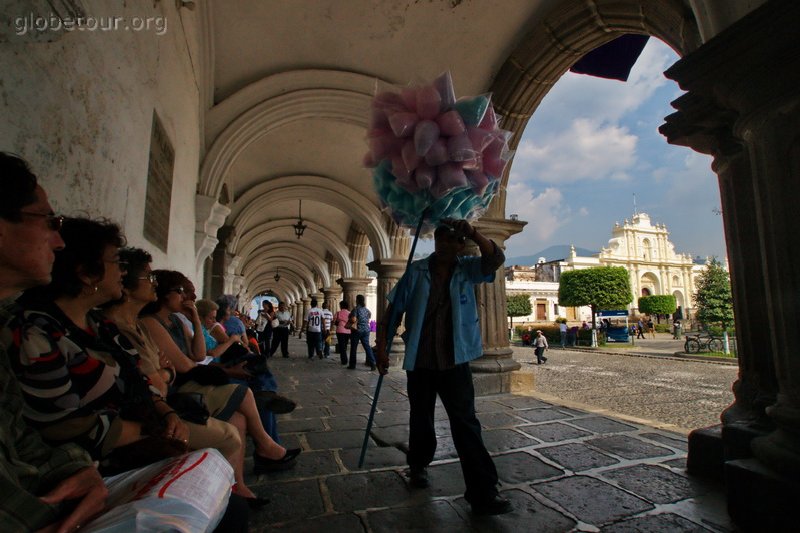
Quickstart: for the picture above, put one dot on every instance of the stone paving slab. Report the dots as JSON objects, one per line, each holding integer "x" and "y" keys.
{"x": 629, "y": 447}
{"x": 661, "y": 523}
{"x": 520, "y": 467}
{"x": 563, "y": 468}
{"x": 591, "y": 500}
{"x": 577, "y": 457}
{"x": 654, "y": 483}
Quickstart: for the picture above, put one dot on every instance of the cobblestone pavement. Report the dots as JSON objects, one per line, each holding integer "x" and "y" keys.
{"x": 564, "y": 469}
{"x": 661, "y": 390}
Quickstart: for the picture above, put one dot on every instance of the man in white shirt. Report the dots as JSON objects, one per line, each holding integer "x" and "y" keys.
{"x": 327, "y": 318}
{"x": 313, "y": 325}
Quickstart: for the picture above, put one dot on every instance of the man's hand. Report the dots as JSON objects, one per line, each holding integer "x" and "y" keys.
{"x": 462, "y": 227}
{"x": 382, "y": 358}
{"x": 85, "y": 485}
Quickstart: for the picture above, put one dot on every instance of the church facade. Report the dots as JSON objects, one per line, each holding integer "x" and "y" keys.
{"x": 638, "y": 245}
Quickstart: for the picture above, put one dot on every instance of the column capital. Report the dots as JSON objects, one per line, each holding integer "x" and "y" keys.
{"x": 393, "y": 268}
{"x": 499, "y": 229}
{"x": 353, "y": 283}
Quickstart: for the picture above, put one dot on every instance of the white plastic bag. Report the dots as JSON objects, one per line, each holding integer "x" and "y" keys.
{"x": 188, "y": 494}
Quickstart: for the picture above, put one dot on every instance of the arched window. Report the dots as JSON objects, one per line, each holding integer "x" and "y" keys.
{"x": 648, "y": 249}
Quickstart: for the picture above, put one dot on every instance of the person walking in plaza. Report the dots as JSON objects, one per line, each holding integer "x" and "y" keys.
{"x": 343, "y": 333}
{"x": 540, "y": 345}
{"x": 312, "y": 325}
{"x": 562, "y": 327}
{"x": 640, "y": 329}
{"x": 651, "y": 328}
{"x": 280, "y": 334}
{"x": 264, "y": 325}
{"x": 437, "y": 296}
{"x": 359, "y": 324}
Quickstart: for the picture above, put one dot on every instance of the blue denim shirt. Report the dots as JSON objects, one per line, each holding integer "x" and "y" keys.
{"x": 410, "y": 296}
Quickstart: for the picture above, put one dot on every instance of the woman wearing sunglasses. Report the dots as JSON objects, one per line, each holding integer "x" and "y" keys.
{"x": 78, "y": 384}
{"x": 157, "y": 319}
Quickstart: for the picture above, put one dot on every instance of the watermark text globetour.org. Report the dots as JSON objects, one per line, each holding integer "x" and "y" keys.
{"x": 41, "y": 23}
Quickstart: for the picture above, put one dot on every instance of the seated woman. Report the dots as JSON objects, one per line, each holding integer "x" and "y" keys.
{"x": 222, "y": 402}
{"x": 170, "y": 297}
{"x": 78, "y": 385}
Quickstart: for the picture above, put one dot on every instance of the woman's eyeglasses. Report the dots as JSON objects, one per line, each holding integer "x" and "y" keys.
{"x": 54, "y": 222}
{"x": 150, "y": 277}
{"x": 179, "y": 290}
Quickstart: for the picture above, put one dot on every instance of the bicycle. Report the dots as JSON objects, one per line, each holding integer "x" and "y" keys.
{"x": 702, "y": 341}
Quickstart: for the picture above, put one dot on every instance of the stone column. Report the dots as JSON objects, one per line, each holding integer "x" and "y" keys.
{"x": 353, "y": 287}
{"x": 332, "y": 295}
{"x": 389, "y": 273}
{"x": 492, "y": 372}
{"x": 303, "y": 312}
{"x": 743, "y": 106}
{"x": 221, "y": 262}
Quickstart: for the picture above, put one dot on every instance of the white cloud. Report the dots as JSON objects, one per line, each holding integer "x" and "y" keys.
{"x": 583, "y": 211}
{"x": 609, "y": 100}
{"x": 544, "y": 211}
{"x": 587, "y": 150}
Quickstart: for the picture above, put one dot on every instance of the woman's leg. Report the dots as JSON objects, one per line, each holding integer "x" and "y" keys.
{"x": 342, "y": 338}
{"x": 237, "y": 461}
{"x": 265, "y": 446}
{"x": 364, "y": 337}
{"x": 353, "y": 349}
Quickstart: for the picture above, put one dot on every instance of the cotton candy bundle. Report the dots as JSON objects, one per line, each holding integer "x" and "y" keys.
{"x": 429, "y": 150}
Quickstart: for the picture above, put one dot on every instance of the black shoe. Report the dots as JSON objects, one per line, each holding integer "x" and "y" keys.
{"x": 351, "y": 368}
{"x": 372, "y": 367}
{"x": 263, "y": 464}
{"x": 418, "y": 477}
{"x": 286, "y": 357}
{"x": 272, "y": 401}
{"x": 492, "y": 506}
{"x": 256, "y": 503}
{"x": 545, "y": 359}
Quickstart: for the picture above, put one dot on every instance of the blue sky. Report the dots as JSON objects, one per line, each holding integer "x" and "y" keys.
{"x": 590, "y": 145}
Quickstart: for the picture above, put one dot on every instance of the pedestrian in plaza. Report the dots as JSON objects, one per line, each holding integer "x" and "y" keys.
{"x": 437, "y": 296}
{"x": 676, "y": 328}
{"x": 313, "y": 325}
{"x": 651, "y": 328}
{"x": 359, "y": 324}
{"x": 540, "y": 345}
{"x": 640, "y": 329}
{"x": 280, "y": 334}
{"x": 342, "y": 321}
{"x": 264, "y": 325}
{"x": 327, "y": 321}
{"x": 562, "y": 327}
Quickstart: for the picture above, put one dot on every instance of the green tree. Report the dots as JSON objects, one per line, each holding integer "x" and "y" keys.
{"x": 599, "y": 288}
{"x": 518, "y": 305}
{"x": 713, "y": 299}
{"x": 660, "y": 304}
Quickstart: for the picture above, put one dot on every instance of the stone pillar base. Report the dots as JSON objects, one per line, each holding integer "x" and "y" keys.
{"x": 492, "y": 373}
{"x": 710, "y": 448}
{"x": 760, "y": 499}
{"x": 706, "y": 456}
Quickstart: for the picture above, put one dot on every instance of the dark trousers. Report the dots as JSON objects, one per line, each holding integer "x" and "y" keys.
{"x": 342, "y": 339}
{"x": 265, "y": 340}
{"x": 280, "y": 336}
{"x": 314, "y": 342}
{"x": 455, "y": 388}
{"x": 360, "y": 337}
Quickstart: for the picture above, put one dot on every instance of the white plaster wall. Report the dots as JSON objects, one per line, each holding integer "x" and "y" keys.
{"x": 79, "y": 109}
